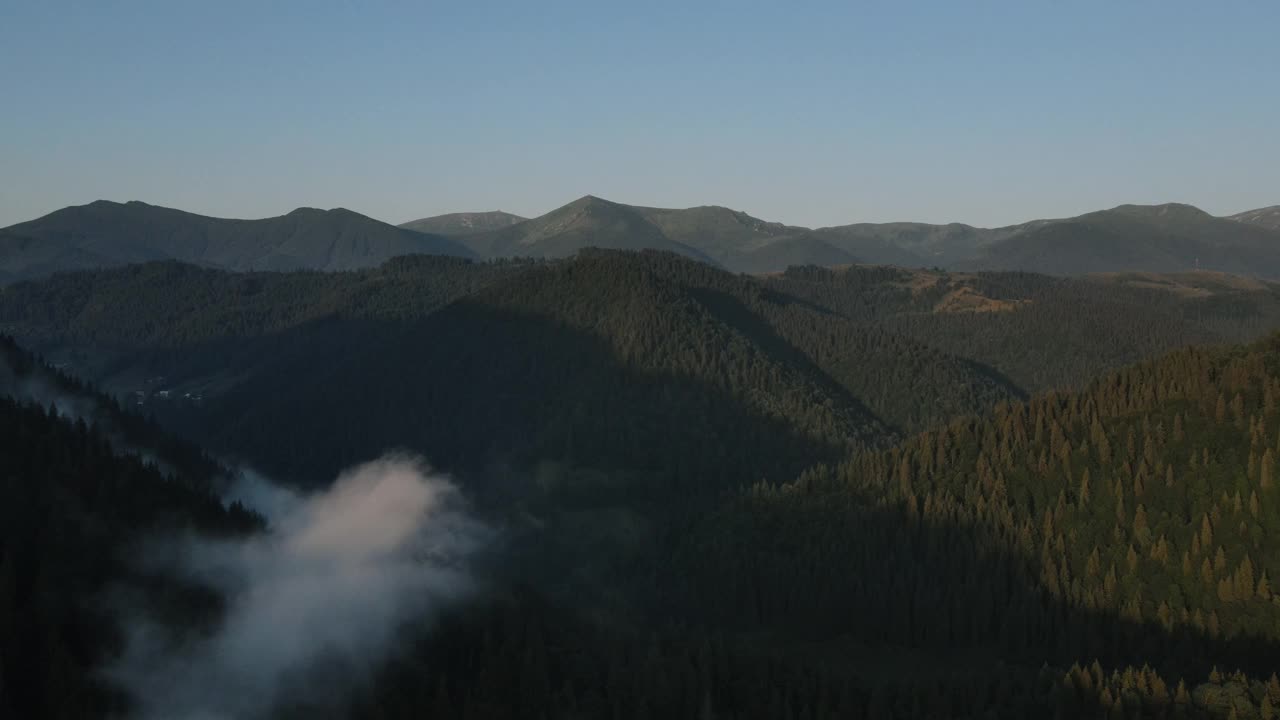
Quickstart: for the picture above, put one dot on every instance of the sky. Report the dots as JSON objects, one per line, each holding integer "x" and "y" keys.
{"x": 810, "y": 113}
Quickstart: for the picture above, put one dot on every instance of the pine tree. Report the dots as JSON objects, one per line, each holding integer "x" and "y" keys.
{"x": 1180, "y": 695}
{"x": 1140, "y": 530}
{"x": 1245, "y": 583}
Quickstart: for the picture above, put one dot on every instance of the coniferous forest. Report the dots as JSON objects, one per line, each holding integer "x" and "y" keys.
{"x": 820, "y": 493}
{"x": 915, "y": 361}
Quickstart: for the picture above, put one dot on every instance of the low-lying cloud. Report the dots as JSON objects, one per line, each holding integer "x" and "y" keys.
{"x": 36, "y": 386}
{"x": 316, "y": 603}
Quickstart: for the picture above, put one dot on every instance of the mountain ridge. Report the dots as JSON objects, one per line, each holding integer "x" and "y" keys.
{"x": 1153, "y": 238}
{"x": 589, "y": 221}
{"x": 105, "y": 234}
{"x": 1168, "y": 237}
{"x": 1165, "y": 237}
{"x": 463, "y": 223}
{"x": 1267, "y": 217}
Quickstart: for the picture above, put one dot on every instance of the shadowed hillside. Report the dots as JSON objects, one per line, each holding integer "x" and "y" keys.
{"x": 579, "y": 357}
{"x": 1107, "y": 553}
{"x": 82, "y": 483}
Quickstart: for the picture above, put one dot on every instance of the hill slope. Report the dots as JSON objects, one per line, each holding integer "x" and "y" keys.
{"x": 463, "y": 223}
{"x": 586, "y": 222}
{"x": 1267, "y": 217}
{"x": 717, "y": 235}
{"x": 1153, "y": 238}
{"x": 498, "y": 355}
{"x": 1044, "y": 332}
{"x": 106, "y": 234}
{"x": 912, "y": 244}
{"x": 742, "y": 243}
{"x": 1040, "y": 332}
{"x": 1133, "y": 522}
{"x": 81, "y": 488}
{"x": 699, "y": 463}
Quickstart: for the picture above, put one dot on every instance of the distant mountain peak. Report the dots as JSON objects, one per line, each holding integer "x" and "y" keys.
{"x": 323, "y": 211}
{"x": 590, "y": 201}
{"x": 106, "y": 234}
{"x": 1163, "y": 210}
{"x": 99, "y": 205}
{"x": 464, "y": 223}
{"x": 1267, "y": 217}
{"x": 334, "y": 213}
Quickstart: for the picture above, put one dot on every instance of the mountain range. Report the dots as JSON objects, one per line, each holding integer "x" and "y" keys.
{"x": 1153, "y": 238}
{"x": 106, "y": 234}
{"x": 1149, "y": 238}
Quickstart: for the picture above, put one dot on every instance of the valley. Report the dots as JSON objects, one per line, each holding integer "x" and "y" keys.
{"x": 853, "y": 479}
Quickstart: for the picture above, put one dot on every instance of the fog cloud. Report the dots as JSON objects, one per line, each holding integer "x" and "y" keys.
{"x": 314, "y": 604}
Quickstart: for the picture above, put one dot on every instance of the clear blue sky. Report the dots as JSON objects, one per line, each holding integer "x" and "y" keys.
{"x": 808, "y": 113}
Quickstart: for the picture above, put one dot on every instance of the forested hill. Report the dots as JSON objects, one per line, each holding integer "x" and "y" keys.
{"x": 619, "y": 361}
{"x": 171, "y": 304}
{"x": 78, "y": 493}
{"x": 525, "y": 340}
{"x": 538, "y": 352}
{"x": 25, "y": 378}
{"x": 1133, "y": 523}
{"x": 1104, "y": 552}
{"x": 1107, "y": 553}
{"x": 1040, "y": 331}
